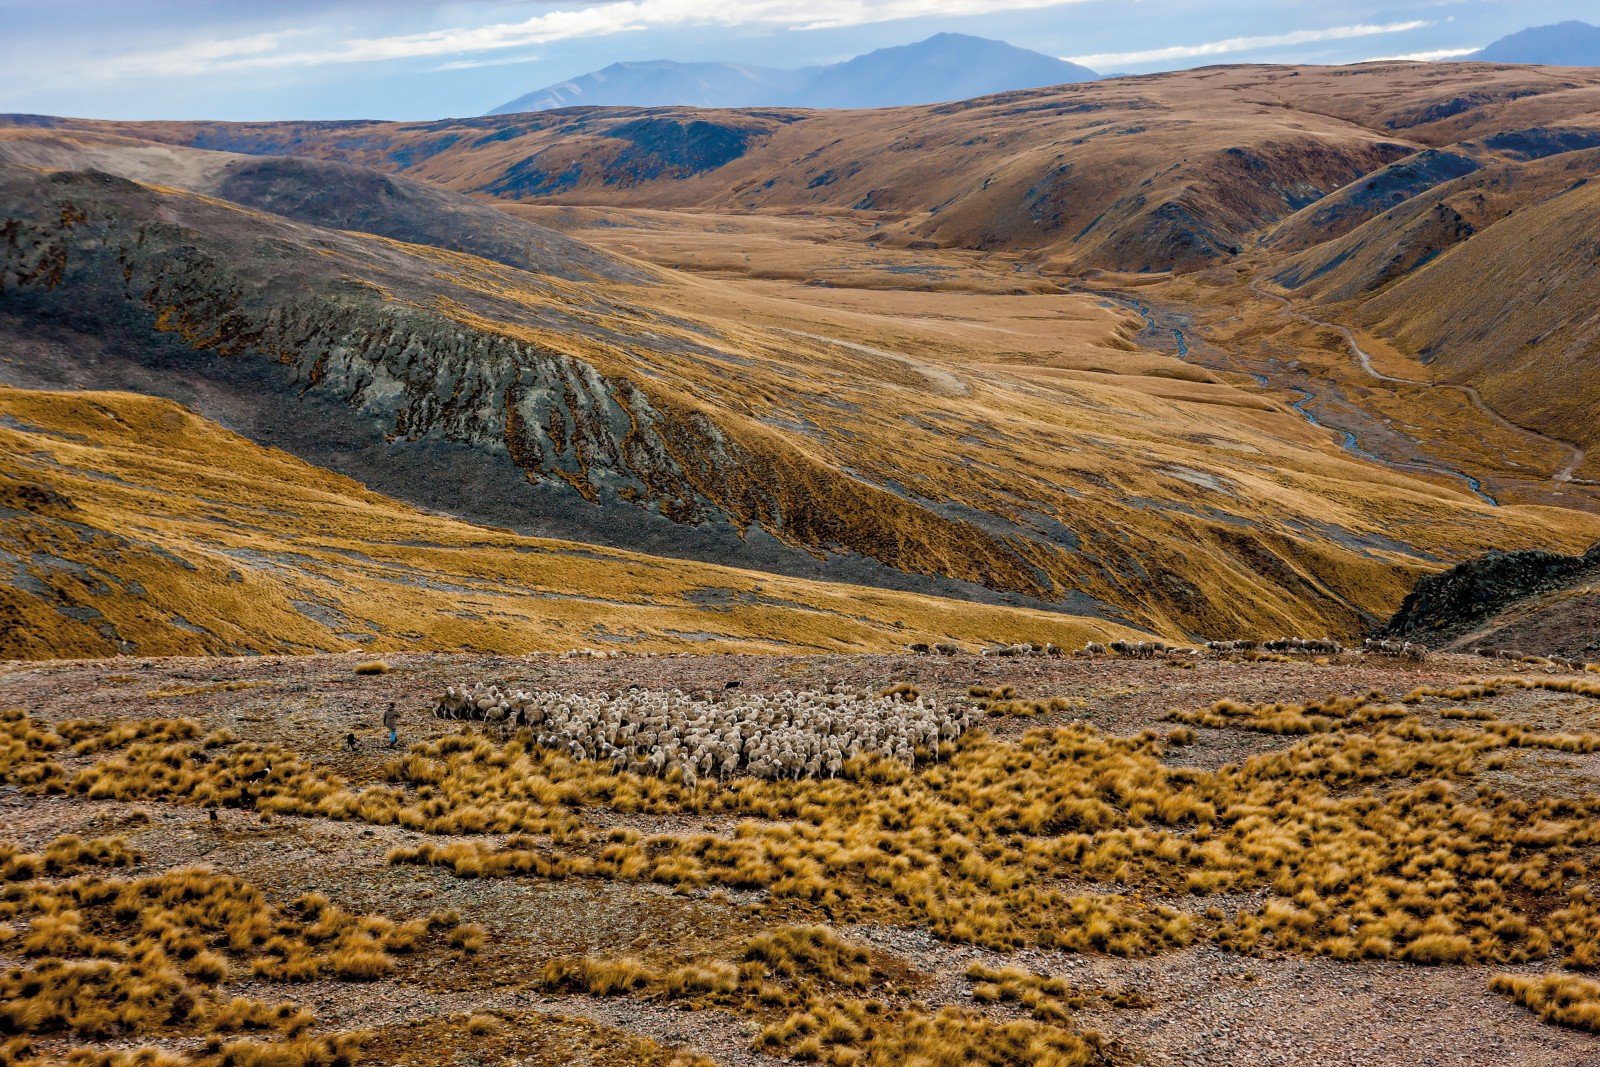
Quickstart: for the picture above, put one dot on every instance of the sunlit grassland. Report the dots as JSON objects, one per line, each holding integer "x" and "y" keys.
{"x": 187, "y": 538}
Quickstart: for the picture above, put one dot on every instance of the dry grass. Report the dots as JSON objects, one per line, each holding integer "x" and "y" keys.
{"x": 814, "y": 985}
{"x": 145, "y": 956}
{"x": 1564, "y": 999}
{"x": 376, "y": 666}
{"x": 1418, "y": 870}
{"x": 1372, "y": 835}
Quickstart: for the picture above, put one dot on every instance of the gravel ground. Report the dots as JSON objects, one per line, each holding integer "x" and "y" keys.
{"x": 1205, "y": 1006}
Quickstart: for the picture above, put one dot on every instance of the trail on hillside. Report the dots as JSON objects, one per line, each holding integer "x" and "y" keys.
{"x": 1576, "y": 454}
{"x": 939, "y": 379}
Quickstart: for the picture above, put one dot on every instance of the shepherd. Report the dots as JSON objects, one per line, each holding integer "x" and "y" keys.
{"x": 391, "y": 719}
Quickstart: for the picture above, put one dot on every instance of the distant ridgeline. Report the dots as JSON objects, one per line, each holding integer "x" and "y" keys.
{"x": 948, "y": 66}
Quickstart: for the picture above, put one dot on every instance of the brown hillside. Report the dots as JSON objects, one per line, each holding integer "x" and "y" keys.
{"x": 1035, "y": 455}
{"x": 1173, "y": 170}
{"x": 1513, "y": 312}
{"x": 133, "y": 526}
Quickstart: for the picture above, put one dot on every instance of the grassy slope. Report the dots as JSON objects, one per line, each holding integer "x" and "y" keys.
{"x": 1196, "y": 506}
{"x": 131, "y": 519}
{"x": 1512, "y": 311}
{"x": 1132, "y": 173}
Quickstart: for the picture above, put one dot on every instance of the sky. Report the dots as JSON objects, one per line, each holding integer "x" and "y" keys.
{"x": 418, "y": 59}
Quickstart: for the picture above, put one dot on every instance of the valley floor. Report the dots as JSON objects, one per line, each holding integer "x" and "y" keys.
{"x": 1202, "y": 1000}
{"x": 989, "y": 313}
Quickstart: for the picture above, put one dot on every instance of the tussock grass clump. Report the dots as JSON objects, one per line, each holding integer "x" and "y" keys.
{"x": 1564, "y": 999}
{"x": 601, "y": 978}
{"x": 376, "y": 666}
{"x": 26, "y": 748}
{"x": 1003, "y": 700}
{"x": 127, "y": 957}
{"x": 814, "y": 978}
{"x": 64, "y": 856}
{"x": 1315, "y": 716}
{"x": 784, "y": 968}
{"x": 88, "y": 736}
{"x": 1048, "y": 999}
{"x": 481, "y": 1025}
{"x": 868, "y": 1033}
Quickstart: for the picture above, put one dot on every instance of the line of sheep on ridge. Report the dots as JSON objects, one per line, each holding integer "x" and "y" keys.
{"x": 1402, "y": 649}
{"x": 666, "y": 732}
{"x": 1513, "y": 656}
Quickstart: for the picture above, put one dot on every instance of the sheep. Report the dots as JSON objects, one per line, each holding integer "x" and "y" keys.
{"x": 789, "y": 735}
{"x": 1319, "y": 646}
{"x": 1139, "y": 649}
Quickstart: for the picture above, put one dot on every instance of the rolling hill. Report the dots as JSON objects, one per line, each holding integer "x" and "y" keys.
{"x": 1174, "y": 171}
{"x": 822, "y": 444}
{"x": 947, "y": 66}
{"x": 881, "y": 374}
{"x": 134, "y": 526}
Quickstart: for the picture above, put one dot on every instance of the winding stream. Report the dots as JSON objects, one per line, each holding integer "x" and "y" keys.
{"x": 1349, "y": 442}
{"x": 1576, "y": 454}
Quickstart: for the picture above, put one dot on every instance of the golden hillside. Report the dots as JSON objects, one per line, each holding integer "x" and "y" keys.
{"x": 975, "y": 445}
{"x": 134, "y": 525}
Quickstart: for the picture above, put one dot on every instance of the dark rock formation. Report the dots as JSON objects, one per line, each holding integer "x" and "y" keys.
{"x": 1448, "y": 604}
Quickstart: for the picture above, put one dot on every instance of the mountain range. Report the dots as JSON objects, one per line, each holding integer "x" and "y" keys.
{"x": 1565, "y": 44}
{"x": 948, "y": 66}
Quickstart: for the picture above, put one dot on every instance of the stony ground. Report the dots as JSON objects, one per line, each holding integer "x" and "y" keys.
{"x": 1198, "y": 1006}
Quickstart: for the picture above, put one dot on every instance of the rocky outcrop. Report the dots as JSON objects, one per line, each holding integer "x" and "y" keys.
{"x": 1454, "y": 602}
{"x": 344, "y": 351}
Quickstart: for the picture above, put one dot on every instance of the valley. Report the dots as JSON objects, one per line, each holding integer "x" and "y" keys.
{"x": 950, "y": 422}
{"x": 1096, "y": 576}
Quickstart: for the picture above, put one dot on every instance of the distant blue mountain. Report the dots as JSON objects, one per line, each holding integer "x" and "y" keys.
{"x": 948, "y": 66}
{"x": 1566, "y": 44}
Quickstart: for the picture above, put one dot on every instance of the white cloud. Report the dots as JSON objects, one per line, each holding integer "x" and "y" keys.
{"x": 1112, "y": 60}
{"x": 598, "y": 20}
{"x": 1424, "y": 57}
{"x": 474, "y": 64}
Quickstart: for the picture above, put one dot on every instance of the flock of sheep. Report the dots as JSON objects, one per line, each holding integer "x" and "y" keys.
{"x": 1513, "y": 656}
{"x": 807, "y": 734}
{"x": 1150, "y": 649}
{"x": 1402, "y": 649}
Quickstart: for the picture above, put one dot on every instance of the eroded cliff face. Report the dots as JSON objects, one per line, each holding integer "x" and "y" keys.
{"x": 342, "y": 350}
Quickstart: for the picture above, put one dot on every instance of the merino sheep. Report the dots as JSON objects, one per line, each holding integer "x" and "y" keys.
{"x": 665, "y": 732}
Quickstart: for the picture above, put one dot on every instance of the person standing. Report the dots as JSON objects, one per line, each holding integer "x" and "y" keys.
{"x": 391, "y": 721}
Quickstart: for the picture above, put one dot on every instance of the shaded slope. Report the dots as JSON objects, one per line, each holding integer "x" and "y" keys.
{"x": 133, "y": 526}
{"x": 327, "y": 193}
{"x": 1356, "y": 261}
{"x": 466, "y": 395}
{"x": 1511, "y": 311}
